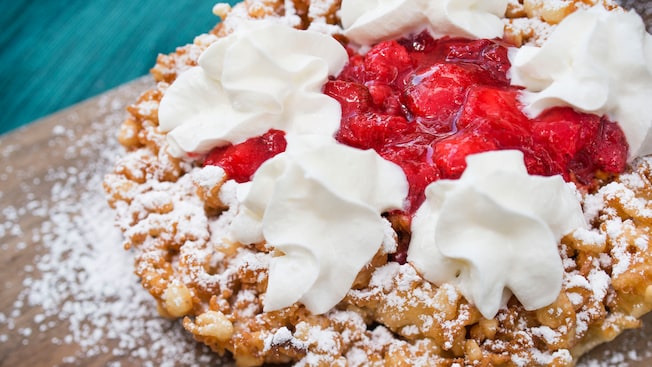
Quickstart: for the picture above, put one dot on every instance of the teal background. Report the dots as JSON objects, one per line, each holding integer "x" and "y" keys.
{"x": 57, "y": 53}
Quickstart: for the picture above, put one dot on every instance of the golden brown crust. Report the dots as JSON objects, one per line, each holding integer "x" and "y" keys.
{"x": 171, "y": 216}
{"x": 530, "y": 21}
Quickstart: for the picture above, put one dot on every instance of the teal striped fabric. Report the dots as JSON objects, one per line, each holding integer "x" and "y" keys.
{"x": 56, "y": 53}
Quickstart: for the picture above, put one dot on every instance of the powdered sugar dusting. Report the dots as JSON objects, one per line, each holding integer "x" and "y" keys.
{"x": 631, "y": 350}
{"x": 78, "y": 297}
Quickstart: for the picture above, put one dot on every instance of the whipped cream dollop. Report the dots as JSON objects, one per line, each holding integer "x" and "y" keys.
{"x": 596, "y": 61}
{"x": 495, "y": 231}
{"x": 320, "y": 204}
{"x": 267, "y": 75}
{"x": 367, "y": 22}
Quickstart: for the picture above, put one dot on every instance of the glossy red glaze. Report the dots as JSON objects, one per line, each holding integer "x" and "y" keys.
{"x": 240, "y": 161}
{"x": 426, "y": 104}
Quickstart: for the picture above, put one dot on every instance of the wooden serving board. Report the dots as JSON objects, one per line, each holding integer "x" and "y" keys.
{"x": 67, "y": 294}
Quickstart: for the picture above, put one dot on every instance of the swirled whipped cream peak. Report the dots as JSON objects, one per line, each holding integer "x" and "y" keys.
{"x": 265, "y": 76}
{"x": 319, "y": 203}
{"x": 367, "y": 22}
{"x": 495, "y": 231}
{"x": 596, "y": 61}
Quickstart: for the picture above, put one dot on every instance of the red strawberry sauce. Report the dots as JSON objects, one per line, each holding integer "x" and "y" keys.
{"x": 426, "y": 104}
{"x": 240, "y": 161}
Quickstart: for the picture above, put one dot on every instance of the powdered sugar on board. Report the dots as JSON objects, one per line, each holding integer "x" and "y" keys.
{"x": 632, "y": 349}
{"x": 69, "y": 295}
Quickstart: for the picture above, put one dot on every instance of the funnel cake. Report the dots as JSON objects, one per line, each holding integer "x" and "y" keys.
{"x": 177, "y": 213}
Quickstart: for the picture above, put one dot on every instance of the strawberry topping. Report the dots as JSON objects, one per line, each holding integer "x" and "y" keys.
{"x": 240, "y": 161}
{"x": 425, "y": 104}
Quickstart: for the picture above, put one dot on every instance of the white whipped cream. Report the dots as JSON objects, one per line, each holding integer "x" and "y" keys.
{"x": 494, "y": 232}
{"x": 319, "y": 203}
{"x": 267, "y": 75}
{"x": 367, "y": 22}
{"x": 597, "y": 61}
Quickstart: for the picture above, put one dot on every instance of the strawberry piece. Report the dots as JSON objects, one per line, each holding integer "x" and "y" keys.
{"x": 374, "y": 131}
{"x": 486, "y": 54}
{"x": 450, "y": 153}
{"x": 353, "y": 97}
{"x": 354, "y": 69}
{"x": 420, "y": 170}
{"x": 564, "y": 134}
{"x": 385, "y": 98}
{"x": 436, "y": 94}
{"x": 240, "y": 161}
{"x": 492, "y": 119}
{"x": 489, "y": 55}
{"x": 386, "y": 62}
{"x": 499, "y": 105}
{"x": 606, "y": 152}
{"x": 611, "y": 149}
